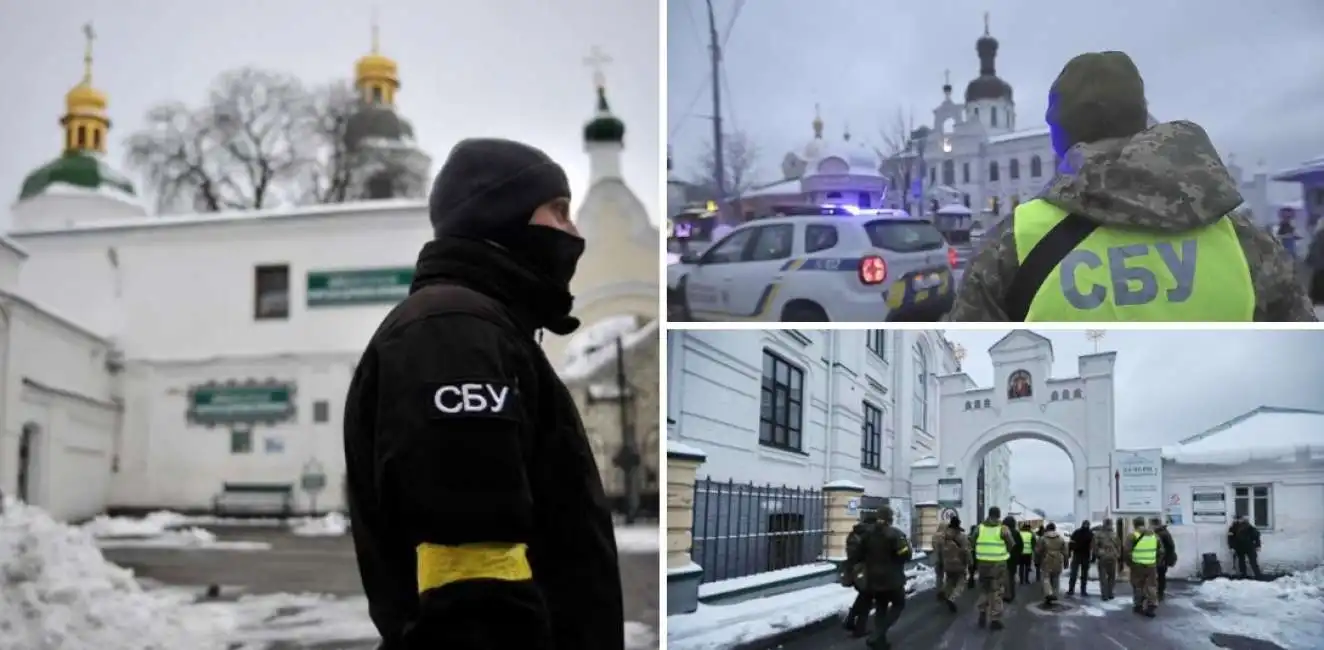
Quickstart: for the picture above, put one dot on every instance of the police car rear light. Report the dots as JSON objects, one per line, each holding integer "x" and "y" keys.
{"x": 951, "y": 257}
{"x": 873, "y": 270}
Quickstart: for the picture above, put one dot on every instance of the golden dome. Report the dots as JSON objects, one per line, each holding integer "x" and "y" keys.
{"x": 83, "y": 99}
{"x": 377, "y": 67}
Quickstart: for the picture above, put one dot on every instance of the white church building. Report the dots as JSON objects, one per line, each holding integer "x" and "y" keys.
{"x": 804, "y": 408}
{"x": 152, "y": 361}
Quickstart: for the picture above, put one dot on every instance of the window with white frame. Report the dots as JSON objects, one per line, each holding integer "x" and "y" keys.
{"x": 1255, "y": 503}
{"x": 877, "y": 343}
{"x": 871, "y": 438}
{"x": 921, "y": 409}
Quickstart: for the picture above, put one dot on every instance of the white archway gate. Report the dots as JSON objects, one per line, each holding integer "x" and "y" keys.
{"x": 1075, "y": 414}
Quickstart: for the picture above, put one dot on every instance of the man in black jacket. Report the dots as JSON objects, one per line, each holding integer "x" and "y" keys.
{"x": 479, "y": 516}
{"x": 854, "y": 575}
{"x": 1081, "y": 547}
{"x": 1169, "y": 558}
{"x": 1244, "y": 539}
{"x": 884, "y": 552}
{"x": 1014, "y": 560}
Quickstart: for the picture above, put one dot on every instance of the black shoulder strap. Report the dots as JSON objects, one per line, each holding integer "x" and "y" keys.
{"x": 1046, "y": 255}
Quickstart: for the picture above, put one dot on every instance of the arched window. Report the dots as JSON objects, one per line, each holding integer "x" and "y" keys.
{"x": 1014, "y": 168}
{"x": 992, "y": 170}
{"x": 965, "y": 173}
{"x": 993, "y": 116}
{"x": 1075, "y": 394}
{"x": 948, "y": 172}
{"x": 1036, "y": 167}
{"x": 921, "y": 388}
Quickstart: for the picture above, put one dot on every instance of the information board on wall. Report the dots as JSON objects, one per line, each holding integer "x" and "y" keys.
{"x": 1209, "y": 505}
{"x": 949, "y": 492}
{"x": 352, "y": 287}
{"x": 1138, "y": 481}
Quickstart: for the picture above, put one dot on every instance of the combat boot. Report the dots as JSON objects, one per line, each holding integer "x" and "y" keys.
{"x": 983, "y": 619}
{"x": 1136, "y": 608}
{"x": 951, "y": 605}
{"x": 995, "y": 625}
{"x": 1150, "y": 611}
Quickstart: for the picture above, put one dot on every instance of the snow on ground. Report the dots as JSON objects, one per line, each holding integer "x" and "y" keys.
{"x": 717, "y": 627}
{"x": 1288, "y": 611}
{"x": 638, "y": 538}
{"x": 333, "y": 524}
{"x": 195, "y": 538}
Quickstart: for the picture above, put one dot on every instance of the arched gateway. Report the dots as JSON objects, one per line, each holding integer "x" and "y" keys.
{"x": 1075, "y": 414}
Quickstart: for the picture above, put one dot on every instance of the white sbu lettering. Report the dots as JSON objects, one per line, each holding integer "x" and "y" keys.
{"x": 471, "y": 398}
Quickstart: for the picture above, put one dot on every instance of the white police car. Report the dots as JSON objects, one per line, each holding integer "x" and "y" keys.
{"x": 818, "y": 264}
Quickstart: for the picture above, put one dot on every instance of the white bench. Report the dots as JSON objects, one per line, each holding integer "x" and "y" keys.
{"x": 254, "y": 499}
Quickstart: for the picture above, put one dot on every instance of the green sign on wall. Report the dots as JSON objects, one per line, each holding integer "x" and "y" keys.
{"x": 358, "y": 287}
{"x": 228, "y": 404}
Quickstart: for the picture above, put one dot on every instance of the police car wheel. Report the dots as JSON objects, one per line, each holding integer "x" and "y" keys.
{"x": 677, "y": 310}
{"x": 804, "y": 313}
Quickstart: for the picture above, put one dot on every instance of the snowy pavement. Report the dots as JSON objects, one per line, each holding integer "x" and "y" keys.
{"x": 1236, "y": 615}
{"x": 141, "y": 584}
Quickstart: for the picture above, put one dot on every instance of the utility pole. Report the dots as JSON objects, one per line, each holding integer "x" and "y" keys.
{"x": 628, "y": 458}
{"x": 719, "y": 159}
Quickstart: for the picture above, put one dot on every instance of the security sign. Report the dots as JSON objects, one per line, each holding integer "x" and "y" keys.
{"x": 853, "y": 506}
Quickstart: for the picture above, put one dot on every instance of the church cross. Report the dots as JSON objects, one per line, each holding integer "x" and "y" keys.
{"x": 598, "y": 60}
{"x": 947, "y": 77}
{"x": 90, "y": 36}
{"x": 985, "y": 23}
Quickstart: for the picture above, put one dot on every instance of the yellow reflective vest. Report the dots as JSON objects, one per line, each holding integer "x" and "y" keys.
{"x": 1027, "y": 547}
{"x": 1134, "y": 275}
{"x": 1145, "y": 550}
{"x": 989, "y": 546}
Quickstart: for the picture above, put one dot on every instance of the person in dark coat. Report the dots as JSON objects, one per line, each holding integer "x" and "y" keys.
{"x": 884, "y": 551}
{"x": 1081, "y": 547}
{"x": 479, "y": 515}
{"x": 1169, "y": 558}
{"x": 853, "y": 575}
{"x": 1015, "y": 559}
{"x": 1038, "y": 564}
{"x": 1244, "y": 540}
{"x": 970, "y": 582}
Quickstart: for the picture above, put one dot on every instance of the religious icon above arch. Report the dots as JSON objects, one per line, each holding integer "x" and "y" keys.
{"x": 1019, "y": 385}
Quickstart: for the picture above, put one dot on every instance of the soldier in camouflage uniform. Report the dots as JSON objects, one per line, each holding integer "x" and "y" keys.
{"x": 954, "y": 550}
{"x": 993, "y": 574}
{"x": 1167, "y": 179}
{"x": 1106, "y": 553}
{"x": 1144, "y": 576}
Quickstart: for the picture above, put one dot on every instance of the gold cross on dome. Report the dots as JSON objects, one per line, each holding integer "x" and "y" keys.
{"x": 598, "y": 60}
{"x": 90, "y": 36}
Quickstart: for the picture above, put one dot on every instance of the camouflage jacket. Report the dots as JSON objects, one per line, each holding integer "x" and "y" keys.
{"x": 1105, "y": 544}
{"x": 1051, "y": 551}
{"x": 1167, "y": 179}
{"x": 954, "y": 549}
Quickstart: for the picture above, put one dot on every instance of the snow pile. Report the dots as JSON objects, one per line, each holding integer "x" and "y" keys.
{"x": 57, "y": 592}
{"x": 333, "y": 524}
{"x": 190, "y": 538}
{"x": 152, "y": 525}
{"x": 717, "y": 627}
{"x": 1278, "y": 435}
{"x": 1288, "y": 611}
{"x": 581, "y": 365}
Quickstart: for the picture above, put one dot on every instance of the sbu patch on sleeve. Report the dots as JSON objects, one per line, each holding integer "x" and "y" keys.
{"x": 472, "y": 399}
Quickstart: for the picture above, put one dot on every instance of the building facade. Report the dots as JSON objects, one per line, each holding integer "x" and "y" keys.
{"x": 149, "y": 361}
{"x": 804, "y": 408}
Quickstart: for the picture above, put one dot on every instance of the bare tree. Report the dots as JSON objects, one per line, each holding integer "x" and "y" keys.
{"x": 262, "y": 139}
{"x": 740, "y": 157}
{"x": 895, "y": 133}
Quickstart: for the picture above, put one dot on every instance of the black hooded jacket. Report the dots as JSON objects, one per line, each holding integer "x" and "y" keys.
{"x": 479, "y": 515}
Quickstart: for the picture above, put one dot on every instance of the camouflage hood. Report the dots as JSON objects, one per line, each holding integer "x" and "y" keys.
{"x": 1167, "y": 178}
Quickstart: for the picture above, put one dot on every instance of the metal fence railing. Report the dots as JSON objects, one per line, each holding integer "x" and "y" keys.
{"x": 741, "y": 529}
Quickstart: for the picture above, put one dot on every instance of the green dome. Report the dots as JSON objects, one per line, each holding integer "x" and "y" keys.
{"x": 376, "y": 122}
{"x": 605, "y": 127}
{"x": 78, "y": 169}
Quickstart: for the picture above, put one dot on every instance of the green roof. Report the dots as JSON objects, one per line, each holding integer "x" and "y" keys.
{"x": 605, "y": 127}
{"x": 78, "y": 169}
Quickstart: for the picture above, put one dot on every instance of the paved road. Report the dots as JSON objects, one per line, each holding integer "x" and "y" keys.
{"x": 1081, "y": 624}
{"x": 321, "y": 565}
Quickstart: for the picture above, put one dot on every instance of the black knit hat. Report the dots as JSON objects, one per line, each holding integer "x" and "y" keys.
{"x": 488, "y": 188}
{"x": 1100, "y": 95}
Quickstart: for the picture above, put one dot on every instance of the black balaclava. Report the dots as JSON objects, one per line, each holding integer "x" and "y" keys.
{"x": 488, "y": 189}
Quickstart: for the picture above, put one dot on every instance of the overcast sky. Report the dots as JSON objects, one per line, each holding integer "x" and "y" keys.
{"x": 1248, "y": 72}
{"x": 512, "y": 68}
{"x": 1168, "y": 385}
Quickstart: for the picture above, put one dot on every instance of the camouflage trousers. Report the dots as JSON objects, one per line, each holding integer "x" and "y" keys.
{"x": 1144, "y": 586}
{"x": 992, "y": 581}
{"x": 953, "y": 584}
{"x": 1053, "y": 585}
{"x": 1107, "y": 576}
